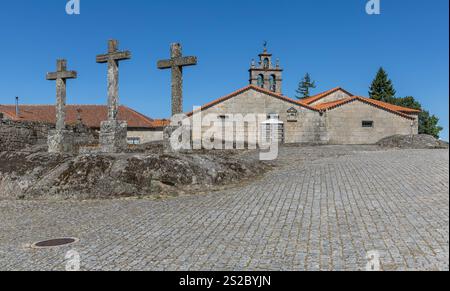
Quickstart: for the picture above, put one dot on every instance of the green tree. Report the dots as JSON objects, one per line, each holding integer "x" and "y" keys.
{"x": 304, "y": 87}
{"x": 382, "y": 88}
{"x": 428, "y": 124}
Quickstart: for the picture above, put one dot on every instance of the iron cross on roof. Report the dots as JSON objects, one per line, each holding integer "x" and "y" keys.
{"x": 112, "y": 58}
{"x": 176, "y": 63}
{"x": 61, "y": 75}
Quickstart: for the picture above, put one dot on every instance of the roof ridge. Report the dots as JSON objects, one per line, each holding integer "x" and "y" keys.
{"x": 92, "y": 114}
{"x": 248, "y": 87}
{"x": 138, "y": 113}
{"x": 319, "y": 96}
{"x": 381, "y": 105}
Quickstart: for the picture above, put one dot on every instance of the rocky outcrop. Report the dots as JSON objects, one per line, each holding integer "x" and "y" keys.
{"x": 39, "y": 175}
{"x": 421, "y": 141}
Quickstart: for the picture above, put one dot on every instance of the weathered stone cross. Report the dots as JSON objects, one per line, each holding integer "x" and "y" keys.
{"x": 112, "y": 58}
{"x": 61, "y": 75}
{"x": 176, "y": 63}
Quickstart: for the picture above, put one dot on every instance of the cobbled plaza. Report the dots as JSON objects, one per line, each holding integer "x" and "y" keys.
{"x": 321, "y": 208}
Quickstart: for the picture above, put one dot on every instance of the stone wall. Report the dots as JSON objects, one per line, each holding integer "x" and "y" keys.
{"x": 345, "y": 124}
{"x": 18, "y": 135}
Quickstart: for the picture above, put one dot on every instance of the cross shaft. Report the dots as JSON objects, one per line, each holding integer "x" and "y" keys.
{"x": 112, "y": 58}
{"x": 176, "y": 64}
{"x": 61, "y": 75}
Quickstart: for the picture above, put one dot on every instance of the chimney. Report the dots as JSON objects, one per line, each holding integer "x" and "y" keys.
{"x": 17, "y": 107}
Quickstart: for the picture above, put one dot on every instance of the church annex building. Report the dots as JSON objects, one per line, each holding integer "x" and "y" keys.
{"x": 332, "y": 117}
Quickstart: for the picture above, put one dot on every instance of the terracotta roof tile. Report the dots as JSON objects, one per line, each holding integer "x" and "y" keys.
{"x": 333, "y": 104}
{"x": 319, "y": 96}
{"x": 382, "y": 105}
{"x": 394, "y": 107}
{"x": 91, "y": 115}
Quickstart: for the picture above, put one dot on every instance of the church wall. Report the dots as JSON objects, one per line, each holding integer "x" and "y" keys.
{"x": 332, "y": 97}
{"x": 345, "y": 124}
{"x": 309, "y": 128}
{"x": 416, "y": 122}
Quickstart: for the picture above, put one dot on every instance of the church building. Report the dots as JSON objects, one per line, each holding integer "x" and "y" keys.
{"x": 332, "y": 117}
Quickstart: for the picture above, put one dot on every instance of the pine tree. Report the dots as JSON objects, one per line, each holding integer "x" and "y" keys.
{"x": 304, "y": 87}
{"x": 382, "y": 88}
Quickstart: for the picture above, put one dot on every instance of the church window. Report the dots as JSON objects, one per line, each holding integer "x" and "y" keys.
{"x": 261, "y": 81}
{"x": 223, "y": 117}
{"x": 273, "y": 116}
{"x": 367, "y": 124}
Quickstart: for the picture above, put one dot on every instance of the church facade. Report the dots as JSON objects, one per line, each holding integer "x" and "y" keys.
{"x": 332, "y": 117}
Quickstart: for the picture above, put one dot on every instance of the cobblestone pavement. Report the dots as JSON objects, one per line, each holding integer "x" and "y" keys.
{"x": 322, "y": 208}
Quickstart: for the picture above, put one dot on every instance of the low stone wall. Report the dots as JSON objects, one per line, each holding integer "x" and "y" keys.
{"x": 18, "y": 135}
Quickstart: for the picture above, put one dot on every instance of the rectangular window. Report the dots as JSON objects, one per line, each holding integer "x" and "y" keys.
{"x": 223, "y": 117}
{"x": 134, "y": 140}
{"x": 273, "y": 116}
{"x": 367, "y": 124}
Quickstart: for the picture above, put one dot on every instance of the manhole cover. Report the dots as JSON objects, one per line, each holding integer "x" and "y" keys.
{"x": 58, "y": 242}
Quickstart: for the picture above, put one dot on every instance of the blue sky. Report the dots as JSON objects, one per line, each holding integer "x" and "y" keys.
{"x": 335, "y": 41}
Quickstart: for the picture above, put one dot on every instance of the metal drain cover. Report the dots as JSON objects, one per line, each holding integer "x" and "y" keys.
{"x": 58, "y": 242}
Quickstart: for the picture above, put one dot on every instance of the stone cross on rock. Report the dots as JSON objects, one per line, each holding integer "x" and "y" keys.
{"x": 61, "y": 75}
{"x": 176, "y": 63}
{"x": 112, "y": 58}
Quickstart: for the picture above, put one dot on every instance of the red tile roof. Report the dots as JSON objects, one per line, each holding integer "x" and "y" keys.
{"x": 379, "y": 104}
{"x": 333, "y": 104}
{"x": 256, "y": 88}
{"x": 394, "y": 107}
{"x": 91, "y": 115}
{"x": 319, "y": 96}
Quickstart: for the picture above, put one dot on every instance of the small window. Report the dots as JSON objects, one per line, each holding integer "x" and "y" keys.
{"x": 223, "y": 117}
{"x": 134, "y": 140}
{"x": 367, "y": 124}
{"x": 273, "y": 116}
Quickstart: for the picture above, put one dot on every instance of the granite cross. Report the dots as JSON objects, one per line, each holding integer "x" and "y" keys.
{"x": 61, "y": 75}
{"x": 176, "y": 63}
{"x": 112, "y": 58}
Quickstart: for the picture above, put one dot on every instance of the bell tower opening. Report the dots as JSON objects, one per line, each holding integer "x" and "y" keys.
{"x": 266, "y": 75}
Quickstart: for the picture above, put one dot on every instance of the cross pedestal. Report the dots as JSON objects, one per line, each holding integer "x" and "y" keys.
{"x": 61, "y": 141}
{"x": 113, "y": 136}
{"x": 171, "y": 146}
